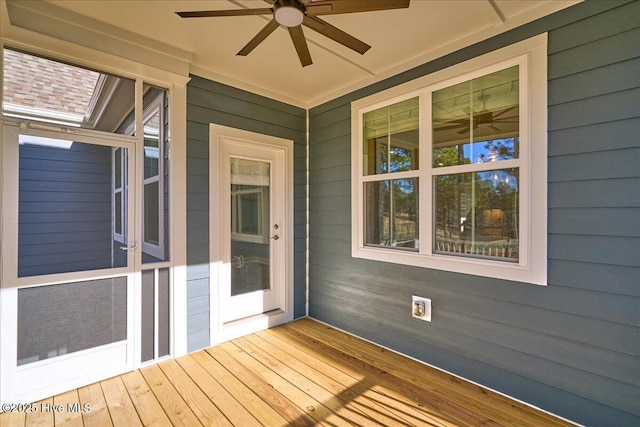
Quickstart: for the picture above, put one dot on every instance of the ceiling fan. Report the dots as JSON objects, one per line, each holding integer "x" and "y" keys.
{"x": 487, "y": 118}
{"x": 293, "y": 14}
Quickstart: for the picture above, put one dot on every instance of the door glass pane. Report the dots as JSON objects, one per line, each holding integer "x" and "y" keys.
{"x": 71, "y": 216}
{"x": 69, "y": 317}
{"x": 250, "y": 226}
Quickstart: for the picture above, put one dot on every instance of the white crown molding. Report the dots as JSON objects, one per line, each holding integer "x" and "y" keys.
{"x": 542, "y": 10}
{"x": 45, "y": 18}
{"x": 242, "y": 85}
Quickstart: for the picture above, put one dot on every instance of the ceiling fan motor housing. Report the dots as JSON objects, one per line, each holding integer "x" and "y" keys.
{"x": 289, "y": 13}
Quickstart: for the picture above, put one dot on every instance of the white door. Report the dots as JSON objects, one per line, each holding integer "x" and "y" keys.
{"x": 67, "y": 306}
{"x": 253, "y": 237}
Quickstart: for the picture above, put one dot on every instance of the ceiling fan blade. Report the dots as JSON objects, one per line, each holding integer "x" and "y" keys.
{"x": 232, "y": 12}
{"x": 504, "y": 111}
{"x": 297, "y": 36}
{"x": 450, "y": 127}
{"x": 332, "y": 7}
{"x": 335, "y": 34}
{"x": 259, "y": 38}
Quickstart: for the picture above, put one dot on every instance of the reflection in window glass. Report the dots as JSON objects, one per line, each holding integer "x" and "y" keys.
{"x": 45, "y": 90}
{"x": 391, "y": 138}
{"x": 477, "y": 121}
{"x": 117, "y": 213}
{"x": 155, "y": 214}
{"x": 392, "y": 213}
{"x": 119, "y": 194}
{"x": 477, "y": 214}
{"x": 250, "y": 225}
{"x": 152, "y": 146}
{"x": 68, "y": 215}
{"x": 151, "y": 224}
{"x": 247, "y": 209}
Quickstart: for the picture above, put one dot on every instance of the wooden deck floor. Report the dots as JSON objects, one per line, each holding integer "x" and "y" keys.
{"x": 303, "y": 373}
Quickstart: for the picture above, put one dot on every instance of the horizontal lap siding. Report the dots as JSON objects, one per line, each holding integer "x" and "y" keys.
{"x": 571, "y": 347}
{"x": 65, "y": 209}
{"x": 212, "y": 102}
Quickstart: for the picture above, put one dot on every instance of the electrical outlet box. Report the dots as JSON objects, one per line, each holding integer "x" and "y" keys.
{"x": 421, "y": 308}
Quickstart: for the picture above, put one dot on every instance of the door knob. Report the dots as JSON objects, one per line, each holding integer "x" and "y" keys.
{"x": 276, "y": 237}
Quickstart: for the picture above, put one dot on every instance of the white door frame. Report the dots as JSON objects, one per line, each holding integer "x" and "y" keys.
{"x": 221, "y": 331}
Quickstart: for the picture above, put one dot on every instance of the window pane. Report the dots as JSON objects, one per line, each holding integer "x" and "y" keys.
{"x": 151, "y": 146}
{"x": 156, "y": 175}
{"x": 151, "y": 213}
{"x": 391, "y": 213}
{"x": 251, "y": 213}
{"x": 117, "y": 213}
{"x": 477, "y": 214}
{"x": 246, "y": 209}
{"x": 391, "y": 138}
{"x": 68, "y": 211}
{"x": 477, "y": 121}
{"x": 117, "y": 164}
{"x": 49, "y": 91}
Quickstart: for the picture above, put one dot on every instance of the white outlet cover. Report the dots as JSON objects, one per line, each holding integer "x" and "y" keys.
{"x": 426, "y": 316}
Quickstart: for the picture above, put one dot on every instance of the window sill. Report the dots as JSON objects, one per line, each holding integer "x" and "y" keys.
{"x": 533, "y": 274}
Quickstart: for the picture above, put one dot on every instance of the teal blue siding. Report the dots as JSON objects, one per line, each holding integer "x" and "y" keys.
{"x": 571, "y": 347}
{"x": 212, "y": 102}
{"x": 65, "y": 209}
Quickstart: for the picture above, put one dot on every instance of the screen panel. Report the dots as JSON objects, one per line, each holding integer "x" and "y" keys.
{"x": 69, "y": 317}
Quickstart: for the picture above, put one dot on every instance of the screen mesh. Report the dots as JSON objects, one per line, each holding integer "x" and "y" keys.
{"x": 65, "y": 318}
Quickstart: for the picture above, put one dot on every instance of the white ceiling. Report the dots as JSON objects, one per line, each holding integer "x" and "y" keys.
{"x": 400, "y": 40}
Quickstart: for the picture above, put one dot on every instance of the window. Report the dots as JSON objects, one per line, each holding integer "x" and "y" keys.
{"x": 250, "y": 182}
{"x": 390, "y": 148}
{"x": 153, "y": 188}
{"x": 155, "y": 158}
{"x": 119, "y": 172}
{"x": 449, "y": 171}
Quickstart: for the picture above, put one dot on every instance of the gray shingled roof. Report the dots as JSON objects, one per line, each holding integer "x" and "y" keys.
{"x": 34, "y": 82}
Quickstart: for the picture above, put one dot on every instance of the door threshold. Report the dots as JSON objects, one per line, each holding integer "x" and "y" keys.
{"x": 249, "y": 325}
{"x": 266, "y": 314}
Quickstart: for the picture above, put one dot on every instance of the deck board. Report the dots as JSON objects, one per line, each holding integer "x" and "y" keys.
{"x": 98, "y": 415}
{"x": 71, "y": 416}
{"x": 119, "y": 404}
{"x": 149, "y": 409}
{"x": 301, "y": 374}
{"x": 178, "y": 411}
{"x": 244, "y": 394}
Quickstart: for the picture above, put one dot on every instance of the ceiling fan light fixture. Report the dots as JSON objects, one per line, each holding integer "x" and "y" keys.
{"x": 289, "y": 14}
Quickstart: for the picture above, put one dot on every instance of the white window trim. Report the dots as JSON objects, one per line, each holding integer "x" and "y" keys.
{"x": 531, "y": 55}
{"x": 155, "y": 250}
{"x": 262, "y": 235}
{"x": 122, "y": 190}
